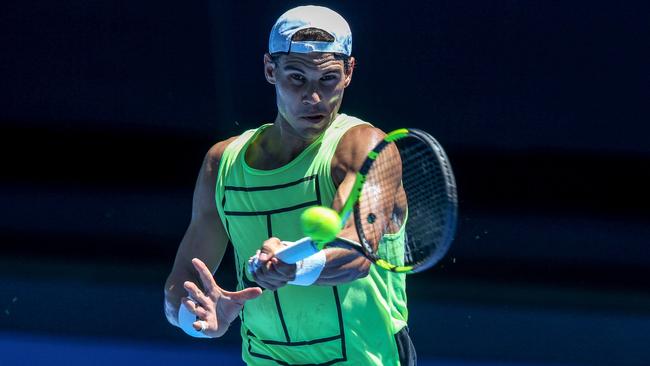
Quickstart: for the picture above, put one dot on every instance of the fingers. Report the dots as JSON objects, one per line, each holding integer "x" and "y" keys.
{"x": 189, "y": 304}
{"x": 195, "y": 308}
{"x": 262, "y": 277}
{"x": 269, "y": 272}
{"x": 205, "y": 274}
{"x": 268, "y": 249}
{"x": 274, "y": 274}
{"x": 285, "y": 270}
{"x": 245, "y": 294}
{"x": 215, "y": 309}
{"x": 201, "y": 325}
{"x": 196, "y": 294}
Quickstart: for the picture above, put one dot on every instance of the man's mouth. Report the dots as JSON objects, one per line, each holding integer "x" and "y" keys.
{"x": 314, "y": 117}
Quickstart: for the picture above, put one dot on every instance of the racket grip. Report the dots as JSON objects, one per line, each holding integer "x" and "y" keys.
{"x": 296, "y": 251}
{"x": 292, "y": 253}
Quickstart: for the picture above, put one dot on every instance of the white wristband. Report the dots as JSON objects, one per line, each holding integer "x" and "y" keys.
{"x": 308, "y": 270}
{"x": 185, "y": 320}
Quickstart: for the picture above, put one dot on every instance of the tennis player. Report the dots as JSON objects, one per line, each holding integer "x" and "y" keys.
{"x": 333, "y": 307}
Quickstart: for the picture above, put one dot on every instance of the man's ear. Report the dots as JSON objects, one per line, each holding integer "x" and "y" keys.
{"x": 349, "y": 71}
{"x": 269, "y": 68}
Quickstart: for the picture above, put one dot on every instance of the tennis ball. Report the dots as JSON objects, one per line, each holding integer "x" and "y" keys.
{"x": 322, "y": 224}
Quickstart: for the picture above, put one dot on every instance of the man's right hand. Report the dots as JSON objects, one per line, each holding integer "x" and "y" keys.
{"x": 272, "y": 273}
{"x": 217, "y": 307}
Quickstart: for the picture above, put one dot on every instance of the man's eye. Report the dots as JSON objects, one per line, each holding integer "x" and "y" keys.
{"x": 328, "y": 77}
{"x": 297, "y": 77}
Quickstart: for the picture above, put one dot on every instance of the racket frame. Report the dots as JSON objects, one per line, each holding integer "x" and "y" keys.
{"x": 450, "y": 191}
{"x": 352, "y": 206}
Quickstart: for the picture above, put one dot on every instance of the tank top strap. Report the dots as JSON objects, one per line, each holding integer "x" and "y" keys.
{"x": 332, "y": 136}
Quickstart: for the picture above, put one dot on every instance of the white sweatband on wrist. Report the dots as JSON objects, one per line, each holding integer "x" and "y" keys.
{"x": 185, "y": 320}
{"x": 308, "y": 270}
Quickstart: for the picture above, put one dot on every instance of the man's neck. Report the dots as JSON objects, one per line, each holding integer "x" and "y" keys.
{"x": 274, "y": 148}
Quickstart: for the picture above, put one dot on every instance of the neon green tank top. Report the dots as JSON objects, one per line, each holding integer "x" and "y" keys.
{"x": 348, "y": 324}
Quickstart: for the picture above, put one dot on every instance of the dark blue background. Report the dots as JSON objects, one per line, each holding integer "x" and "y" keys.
{"x": 108, "y": 107}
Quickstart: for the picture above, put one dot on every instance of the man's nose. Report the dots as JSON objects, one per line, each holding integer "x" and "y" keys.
{"x": 311, "y": 98}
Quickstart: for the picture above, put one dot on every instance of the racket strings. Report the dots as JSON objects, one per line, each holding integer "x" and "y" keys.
{"x": 382, "y": 205}
{"x": 384, "y": 209}
{"x": 425, "y": 180}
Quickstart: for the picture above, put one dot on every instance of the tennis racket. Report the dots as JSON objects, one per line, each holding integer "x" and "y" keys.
{"x": 403, "y": 203}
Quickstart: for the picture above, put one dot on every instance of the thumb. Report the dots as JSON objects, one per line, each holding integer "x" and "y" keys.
{"x": 246, "y": 294}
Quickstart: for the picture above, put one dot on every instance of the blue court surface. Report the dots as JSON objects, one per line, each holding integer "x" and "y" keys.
{"x": 92, "y": 314}
{"x": 27, "y": 350}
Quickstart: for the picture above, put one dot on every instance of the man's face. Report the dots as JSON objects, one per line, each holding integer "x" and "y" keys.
{"x": 309, "y": 90}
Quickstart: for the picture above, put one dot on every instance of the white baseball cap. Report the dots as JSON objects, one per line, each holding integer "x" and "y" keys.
{"x": 310, "y": 16}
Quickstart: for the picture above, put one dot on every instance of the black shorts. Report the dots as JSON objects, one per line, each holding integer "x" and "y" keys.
{"x": 405, "y": 348}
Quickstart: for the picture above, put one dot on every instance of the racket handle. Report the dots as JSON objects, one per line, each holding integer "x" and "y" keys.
{"x": 296, "y": 251}
{"x": 292, "y": 253}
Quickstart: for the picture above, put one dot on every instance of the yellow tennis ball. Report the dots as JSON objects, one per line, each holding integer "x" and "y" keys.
{"x": 320, "y": 223}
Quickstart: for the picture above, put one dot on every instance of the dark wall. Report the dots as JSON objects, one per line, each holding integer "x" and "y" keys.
{"x": 108, "y": 107}
{"x": 505, "y": 74}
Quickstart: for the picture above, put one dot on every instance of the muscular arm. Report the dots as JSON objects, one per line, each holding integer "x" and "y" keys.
{"x": 344, "y": 264}
{"x": 204, "y": 239}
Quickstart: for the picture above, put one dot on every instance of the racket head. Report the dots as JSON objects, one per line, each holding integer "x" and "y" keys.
{"x": 406, "y": 211}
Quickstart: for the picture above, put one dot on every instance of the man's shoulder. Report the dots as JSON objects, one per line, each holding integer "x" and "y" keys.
{"x": 354, "y": 147}
{"x": 216, "y": 152}
{"x": 360, "y": 139}
{"x": 213, "y": 157}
